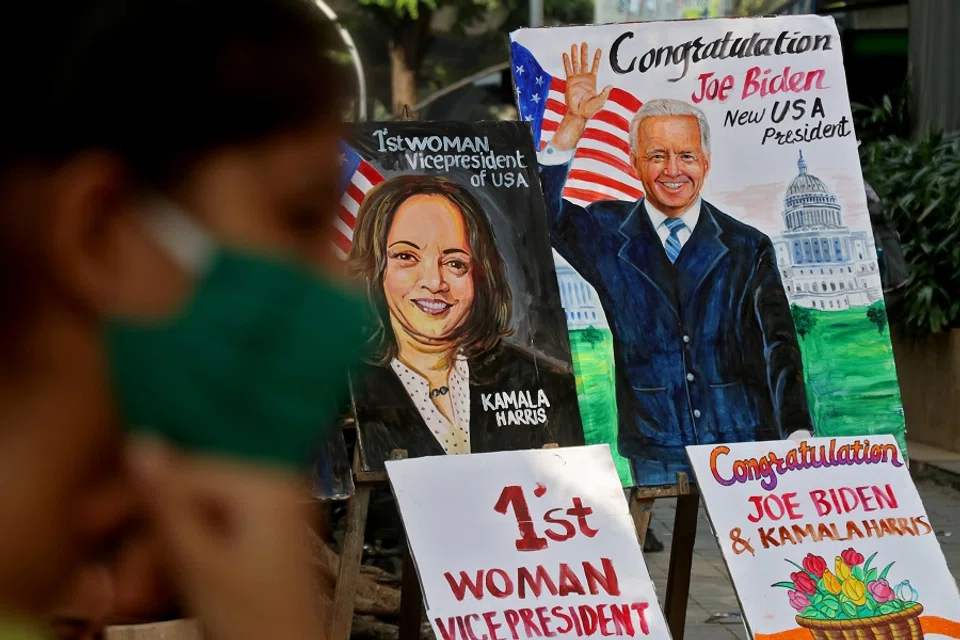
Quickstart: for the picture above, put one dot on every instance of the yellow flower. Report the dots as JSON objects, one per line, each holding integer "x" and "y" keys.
{"x": 855, "y": 590}
{"x": 830, "y": 582}
{"x": 843, "y": 571}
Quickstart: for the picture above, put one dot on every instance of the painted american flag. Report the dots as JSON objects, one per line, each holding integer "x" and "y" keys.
{"x": 357, "y": 177}
{"x": 601, "y": 167}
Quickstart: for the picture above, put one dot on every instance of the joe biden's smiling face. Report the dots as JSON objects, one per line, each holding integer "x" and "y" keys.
{"x": 670, "y": 162}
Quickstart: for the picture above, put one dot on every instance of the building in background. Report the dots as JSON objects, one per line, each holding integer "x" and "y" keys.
{"x": 581, "y": 306}
{"x": 823, "y": 264}
{"x": 612, "y": 11}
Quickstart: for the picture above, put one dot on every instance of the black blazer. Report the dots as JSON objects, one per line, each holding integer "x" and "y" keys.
{"x": 387, "y": 418}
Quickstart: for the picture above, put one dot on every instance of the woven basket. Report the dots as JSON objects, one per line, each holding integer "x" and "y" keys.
{"x": 902, "y": 625}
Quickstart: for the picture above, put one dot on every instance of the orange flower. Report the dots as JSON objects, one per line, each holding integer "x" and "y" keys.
{"x": 831, "y": 583}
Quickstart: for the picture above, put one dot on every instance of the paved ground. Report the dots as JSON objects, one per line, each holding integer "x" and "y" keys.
{"x": 711, "y": 593}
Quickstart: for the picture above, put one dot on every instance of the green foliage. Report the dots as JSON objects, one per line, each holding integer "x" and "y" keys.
{"x": 919, "y": 183}
{"x": 889, "y": 117}
{"x": 804, "y": 319}
{"x": 592, "y": 336}
{"x": 411, "y": 8}
{"x": 754, "y": 7}
{"x": 877, "y": 314}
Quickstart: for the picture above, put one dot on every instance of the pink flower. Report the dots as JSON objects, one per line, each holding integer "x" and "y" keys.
{"x": 798, "y": 601}
{"x": 852, "y": 558}
{"x": 881, "y": 591}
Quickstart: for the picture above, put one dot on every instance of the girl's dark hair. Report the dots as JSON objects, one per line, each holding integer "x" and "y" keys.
{"x": 488, "y": 322}
{"x": 160, "y": 82}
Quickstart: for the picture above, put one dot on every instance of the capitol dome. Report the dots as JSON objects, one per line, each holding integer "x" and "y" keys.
{"x": 808, "y": 203}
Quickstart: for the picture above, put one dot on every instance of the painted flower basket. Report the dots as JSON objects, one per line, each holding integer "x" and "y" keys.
{"x": 903, "y": 625}
{"x": 854, "y": 601}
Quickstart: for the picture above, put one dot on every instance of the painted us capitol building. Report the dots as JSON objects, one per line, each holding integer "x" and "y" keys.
{"x": 823, "y": 264}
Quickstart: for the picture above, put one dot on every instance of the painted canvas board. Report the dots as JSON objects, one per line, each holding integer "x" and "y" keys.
{"x": 330, "y": 469}
{"x": 827, "y": 538}
{"x": 442, "y": 226}
{"x": 526, "y": 544}
{"x": 711, "y": 234}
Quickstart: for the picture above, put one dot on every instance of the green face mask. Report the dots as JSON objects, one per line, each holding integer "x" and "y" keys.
{"x": 253, "y": 366}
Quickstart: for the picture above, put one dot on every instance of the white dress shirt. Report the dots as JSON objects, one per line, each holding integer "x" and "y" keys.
{"x": 453, "y": 436}
{"x": 690, "y": 218}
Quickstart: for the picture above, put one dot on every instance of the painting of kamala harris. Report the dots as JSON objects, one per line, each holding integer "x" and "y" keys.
{"x": 468, "y": 349}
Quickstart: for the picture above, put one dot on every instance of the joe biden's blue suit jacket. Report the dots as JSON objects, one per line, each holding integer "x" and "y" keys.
{"x": 705, "y": 349}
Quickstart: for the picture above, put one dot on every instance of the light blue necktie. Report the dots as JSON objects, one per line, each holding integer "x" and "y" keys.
{"x": 672, "y": 245}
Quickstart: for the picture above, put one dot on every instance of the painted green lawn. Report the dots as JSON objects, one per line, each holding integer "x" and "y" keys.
{"x": 848, "y": 366}
{"x": 596, "y": 392}
{"x": 851, "y": 377}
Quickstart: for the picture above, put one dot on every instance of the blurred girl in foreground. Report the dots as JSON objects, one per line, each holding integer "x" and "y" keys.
{"x": 167, "y": 177}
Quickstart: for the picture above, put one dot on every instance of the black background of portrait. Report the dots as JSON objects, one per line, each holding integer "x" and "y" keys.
{"x": 518, "y": 219}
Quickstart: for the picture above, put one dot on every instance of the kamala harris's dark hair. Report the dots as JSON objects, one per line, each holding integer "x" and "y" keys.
{"x": 488, "y": 322}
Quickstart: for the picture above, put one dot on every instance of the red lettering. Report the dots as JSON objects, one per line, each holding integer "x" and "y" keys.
{"x": 558, "y": 613}
{"x": 543, "y": 579}
{"x": 846, "y": 495}
{"x": 446, "y": 632}
{"x": 885, "y": 497}
{"x": 790, "y": 500}
{"x": 581, "y": 512}
{"x": 491, "y": 625}
{"x": 495, "y": 590}
{"x": 528, "y": 540}
{"x": 460, "y": 588}
{"x": 818, "y": 496}
{"x": 622, "y": 621}
{"x": 710, "y": 88}
{"x": 603, "y": 620}
{"x": 862, "y": 494}
{"x": 608, "y": 579}
{"x": 513, "y": 619}
{"x": 758, "y": 503}
{"x": 568, "y": 528}
{"x": 529, "y": 626}
{"x": 589, "y": 617}
{"x": 569, "y": 582}
{"x": 544, "y": 622}
{"x": 470, "y": 632}
{"x": 641, "y": 609}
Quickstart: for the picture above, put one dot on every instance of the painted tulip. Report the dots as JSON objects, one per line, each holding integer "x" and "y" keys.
{"x": 831, "y": 583}
{"x": 798, "y": 601}
{"x": 842, "y": 569}
{"x": 815, "y": 565}
{"x": 851, "y": 557}
{"x": 803, "y": 582}
{"x": 855, "y": 590}
{"x": 881, "y": 591}
{"x": 906, "y": 592}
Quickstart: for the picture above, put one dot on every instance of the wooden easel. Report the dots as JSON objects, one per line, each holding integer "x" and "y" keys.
{"x": 411, "y": 598}
{"x": 681, "y": 548}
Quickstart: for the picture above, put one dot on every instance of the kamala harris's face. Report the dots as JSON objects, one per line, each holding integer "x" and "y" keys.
{"x": 428, "y": 280}
{"x": 670, "y": 162}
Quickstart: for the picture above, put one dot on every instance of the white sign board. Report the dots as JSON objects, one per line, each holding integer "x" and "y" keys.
{"x": 827, "y": 536}
{"x": 526, "y": 544}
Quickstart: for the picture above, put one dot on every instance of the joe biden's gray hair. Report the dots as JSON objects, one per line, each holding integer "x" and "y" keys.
{"x": 665, "y": 107}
